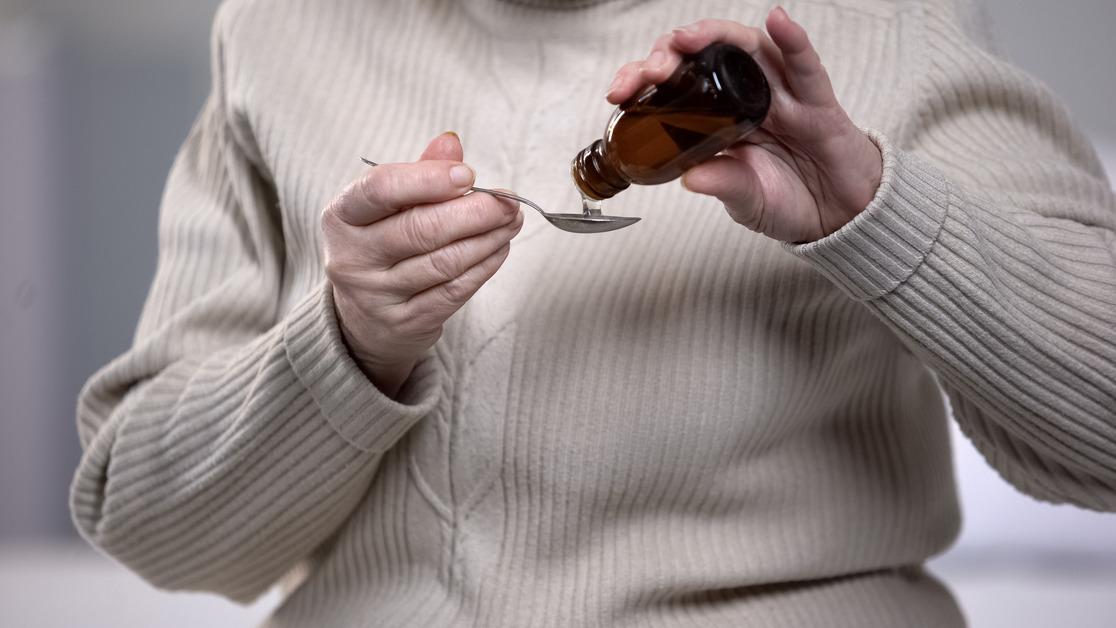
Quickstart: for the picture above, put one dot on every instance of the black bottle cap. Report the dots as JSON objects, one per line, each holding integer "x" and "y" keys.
{"x": 739, "y": 78}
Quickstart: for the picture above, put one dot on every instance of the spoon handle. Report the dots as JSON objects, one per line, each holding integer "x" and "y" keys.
{"x": 486, "y": 191}
{"x": 511, "y": 196}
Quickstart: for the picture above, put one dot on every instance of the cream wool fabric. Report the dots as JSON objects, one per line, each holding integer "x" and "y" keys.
{"x": 677, "y": 424}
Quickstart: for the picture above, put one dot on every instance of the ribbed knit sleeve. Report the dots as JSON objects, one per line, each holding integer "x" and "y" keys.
{"x": 990, "y": 249}
{"x": 230, "y": 441}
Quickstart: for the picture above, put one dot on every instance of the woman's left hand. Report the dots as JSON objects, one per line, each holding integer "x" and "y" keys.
{"x": 808, "y": 169}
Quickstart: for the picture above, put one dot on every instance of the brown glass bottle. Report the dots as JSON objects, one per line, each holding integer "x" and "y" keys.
{"x": 713, "y": 99}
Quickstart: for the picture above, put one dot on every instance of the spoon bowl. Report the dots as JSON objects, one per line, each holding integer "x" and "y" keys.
{"x": 586, "y": 222}
{"x": 582, "y": 223}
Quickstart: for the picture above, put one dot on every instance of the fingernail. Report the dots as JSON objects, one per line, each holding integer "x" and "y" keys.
{"x": 781, "y": 10}
{"x": 461, "y": 175}
{"x": 453, "y": 134}
{"x": 656, "y": 59}
{"x": 692, "y": 28}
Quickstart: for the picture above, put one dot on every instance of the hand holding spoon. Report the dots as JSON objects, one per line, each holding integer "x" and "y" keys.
{"x": 589, "y": 221}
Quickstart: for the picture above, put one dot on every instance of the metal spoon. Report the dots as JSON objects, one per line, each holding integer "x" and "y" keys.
{"x": 589, "y": 221}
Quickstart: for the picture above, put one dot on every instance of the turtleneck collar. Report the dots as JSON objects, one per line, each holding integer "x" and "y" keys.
{"x": 557, "y": 4}
{"x": 585, "y": 20}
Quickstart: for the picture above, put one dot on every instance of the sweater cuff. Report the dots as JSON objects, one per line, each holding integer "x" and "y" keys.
{"x": 351, "y": 404}
{"x": 876, "y": 251}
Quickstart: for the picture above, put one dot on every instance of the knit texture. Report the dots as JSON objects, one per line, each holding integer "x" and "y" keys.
{"x": 681, "y": 423}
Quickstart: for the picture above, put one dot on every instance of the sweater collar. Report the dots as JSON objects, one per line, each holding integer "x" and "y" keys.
{"x": 557, "y": 4}
{"x": 584, "y": 20}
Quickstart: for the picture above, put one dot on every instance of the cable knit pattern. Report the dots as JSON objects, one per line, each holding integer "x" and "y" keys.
{"x": 677, "y": 424}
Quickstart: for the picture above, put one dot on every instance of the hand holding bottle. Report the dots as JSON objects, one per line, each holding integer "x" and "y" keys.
{"x": 405, "y": 249}
{"x": 808, "y": 169}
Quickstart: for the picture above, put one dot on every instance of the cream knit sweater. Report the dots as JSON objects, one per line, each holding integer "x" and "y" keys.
{"x": 677, "y": 424}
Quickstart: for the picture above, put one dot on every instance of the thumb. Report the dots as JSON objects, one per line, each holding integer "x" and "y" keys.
{"x": 732, "y": 182}
{"x": 446, "y": 146}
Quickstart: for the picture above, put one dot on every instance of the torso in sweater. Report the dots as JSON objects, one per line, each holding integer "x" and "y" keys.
{"x": 678, "y": 423}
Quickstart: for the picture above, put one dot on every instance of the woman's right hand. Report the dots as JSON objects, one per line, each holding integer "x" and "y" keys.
{"x": 405, "y": 249}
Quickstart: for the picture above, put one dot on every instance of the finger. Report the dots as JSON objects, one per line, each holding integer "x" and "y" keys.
{"x": 803, "y": 69}
{"x": 733, "y": 182}
{"x": 415, "y": 274}
{"x": 758, "y": 44}
{"x": 696, "y": 36}
{"x": 446, "y": 146}
{"x": 661, "y": 61}
{"x": 626, "y": 82}
{"x": 426, "y": 228}
{"x": 385, "y": 189}
{"x": 434, "y": 305}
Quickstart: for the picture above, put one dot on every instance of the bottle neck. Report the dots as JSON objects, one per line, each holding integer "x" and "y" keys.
{"x": 594, "y": 175}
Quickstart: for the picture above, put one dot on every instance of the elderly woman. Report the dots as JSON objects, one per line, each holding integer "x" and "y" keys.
{"x": 345, "y": 381}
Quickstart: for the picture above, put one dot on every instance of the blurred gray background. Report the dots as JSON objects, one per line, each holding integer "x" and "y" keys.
{"x": 95, "y": 98}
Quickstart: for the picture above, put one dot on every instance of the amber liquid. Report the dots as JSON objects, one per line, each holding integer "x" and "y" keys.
{"x": 658, "y": 146}
{"x": 652, "y": 145}
{"x": 713, "y": 99}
